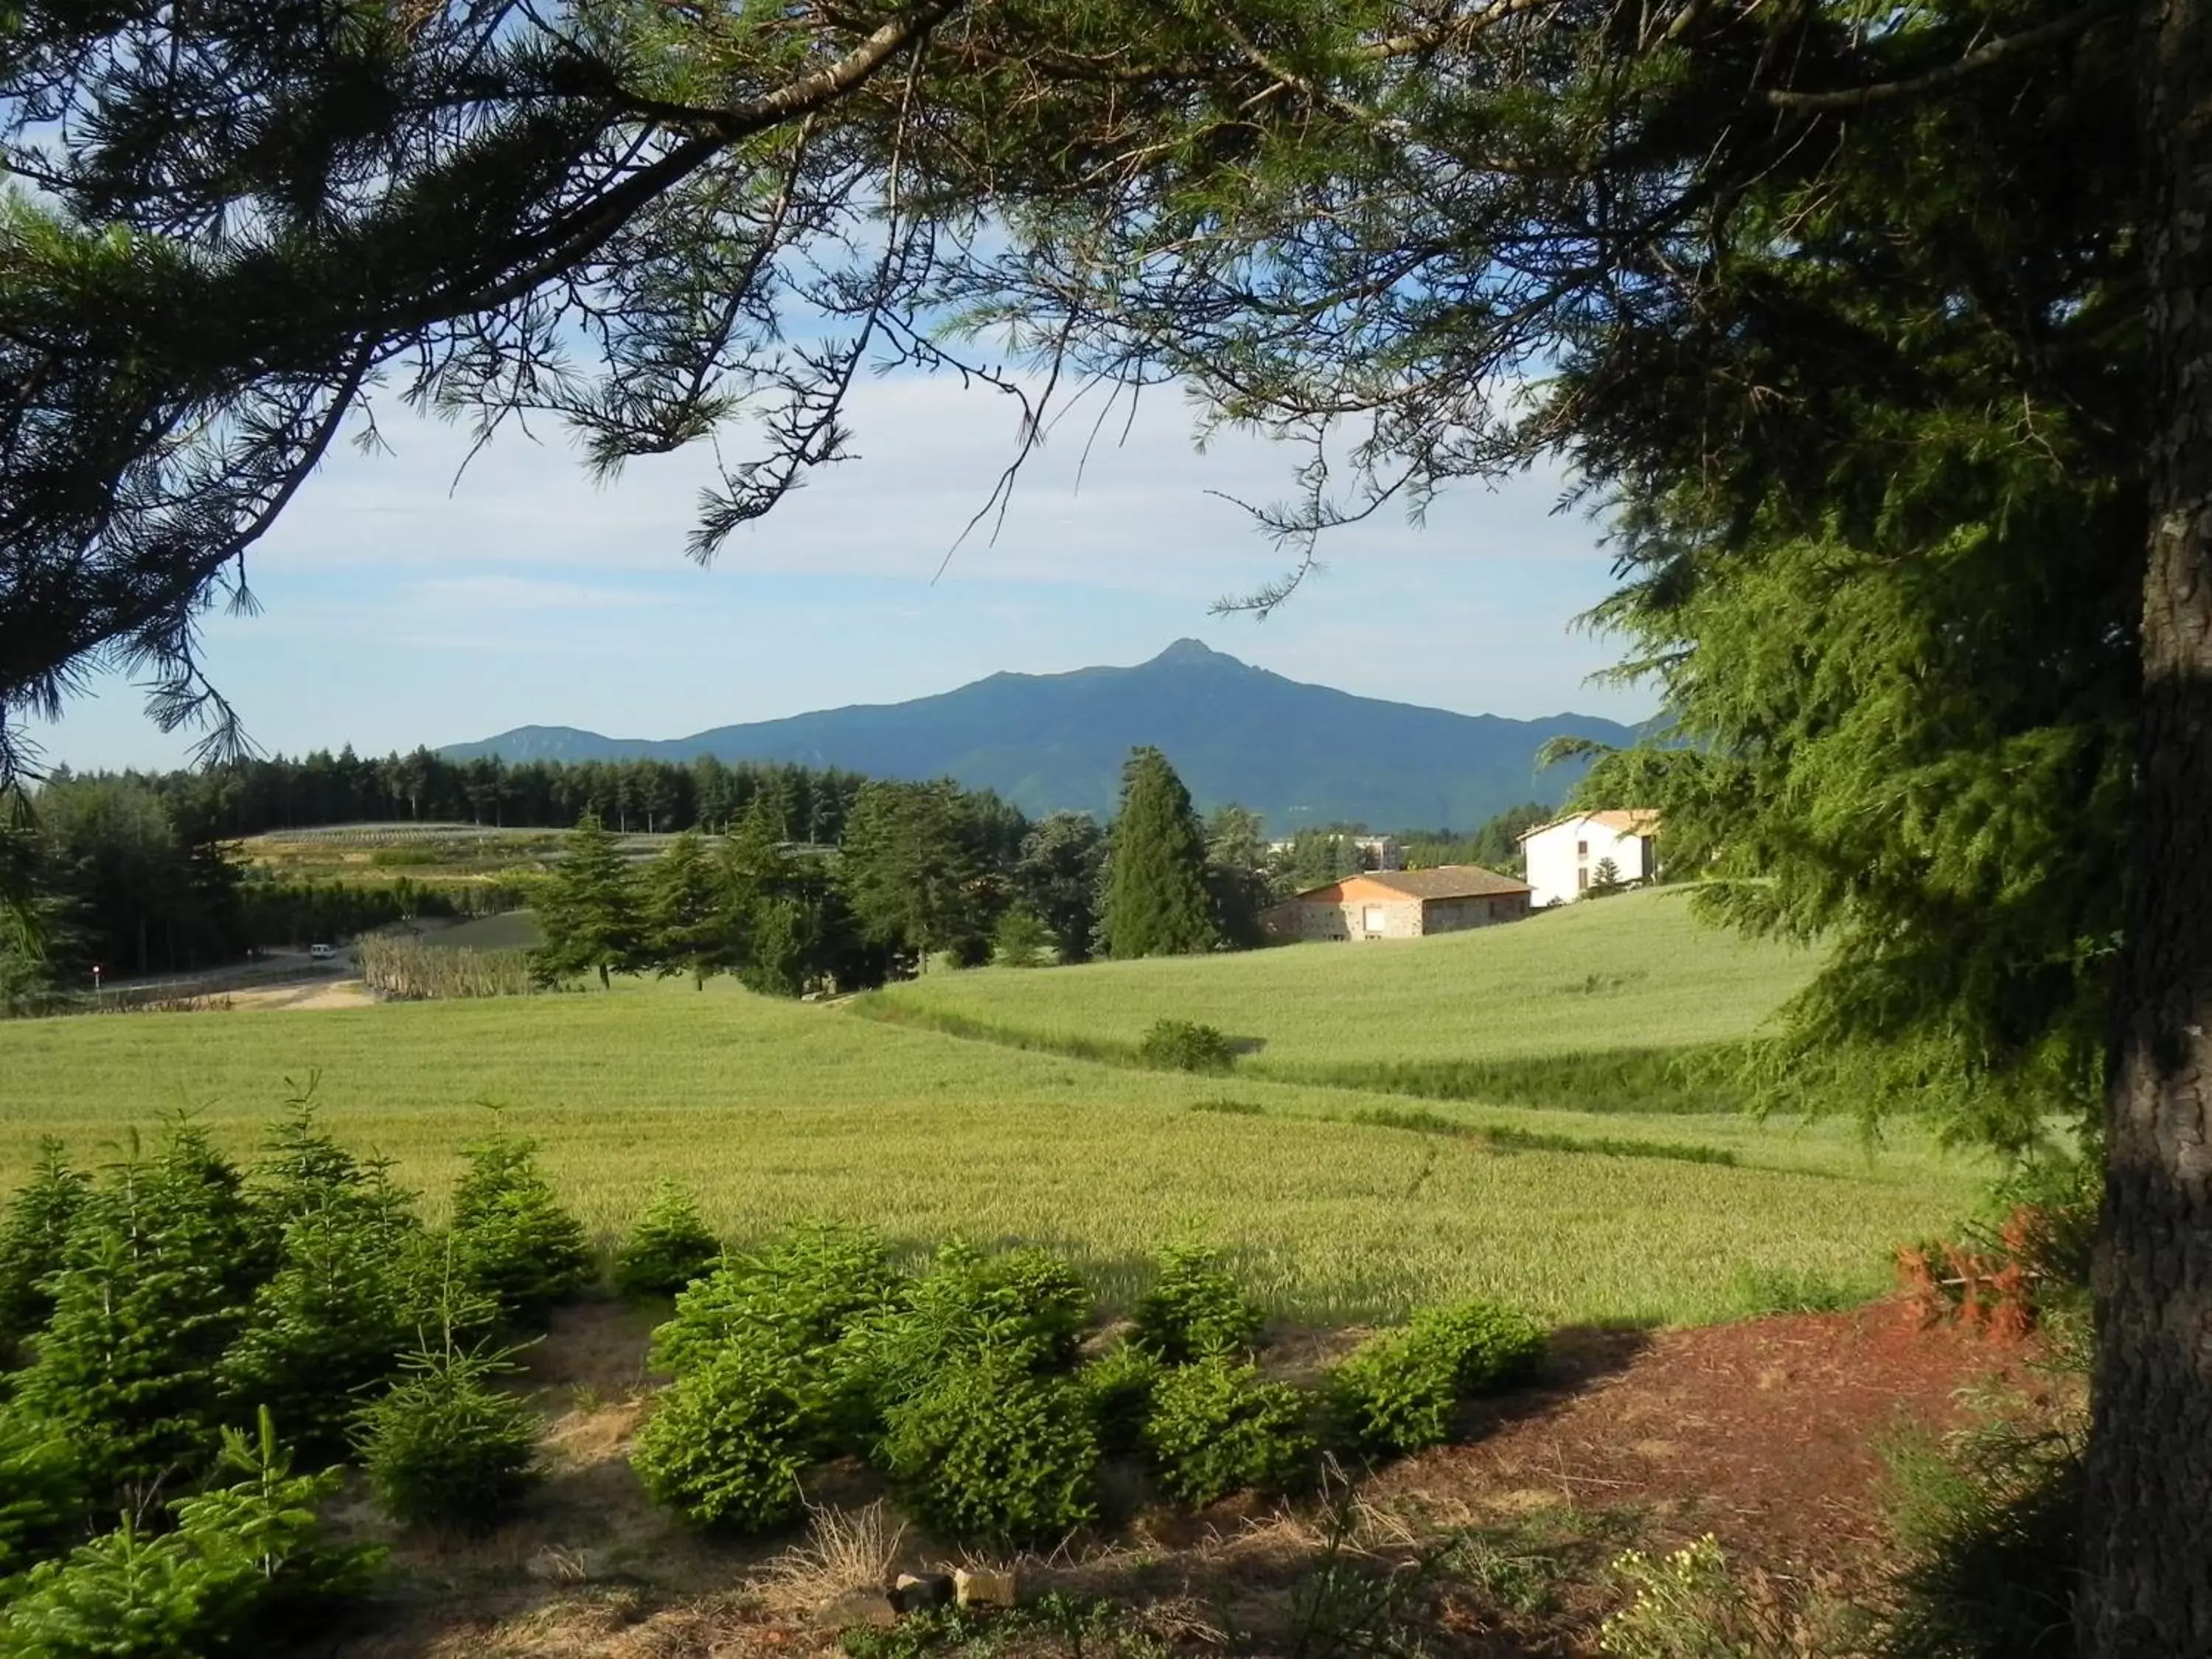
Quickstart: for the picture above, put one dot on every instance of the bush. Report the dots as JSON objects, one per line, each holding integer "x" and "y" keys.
{"x": 670, "y": 1247}
{"x": 447, "y": 1446}
{"x": 1119, "y": 1386}
{"x": 1399, "y": 1390}
{"x": 726, "y": 1444}
{"x": 513, "y": 1240}
{"x": 799, "y": 1296}
{"x": 1195, "y": 1308}
{"x": 1181, "y": 1045}
{"x": 1217, "y": 1428}
{"x": 992, "y": 1455}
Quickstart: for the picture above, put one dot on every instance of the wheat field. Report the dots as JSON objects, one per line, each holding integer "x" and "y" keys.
{"x": 773, "y": 1110}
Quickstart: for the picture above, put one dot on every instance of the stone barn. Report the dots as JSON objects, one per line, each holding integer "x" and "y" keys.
{"x": 1400, "y": 904}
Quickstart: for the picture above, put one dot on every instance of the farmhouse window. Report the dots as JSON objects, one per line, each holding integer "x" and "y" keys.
{"x": 1371, "y": 919}
{"x": 1582, "y": 878}
{"x": 1582, "y": 849}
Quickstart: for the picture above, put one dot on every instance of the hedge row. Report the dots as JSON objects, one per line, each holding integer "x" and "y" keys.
{"x": 982, "y": 1388}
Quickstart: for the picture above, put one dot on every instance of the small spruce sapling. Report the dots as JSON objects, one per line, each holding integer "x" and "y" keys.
{"x": 671, "y": 1246}
{"x": 1194, "y": 1307}
{"x": 447, "y": 1446}
{"x": 1217, "y": 1428}
{"x": 159, "y": 1270}
{"x": 726, "y": 1445}
{"x": 511, "y": 1239}
{"x": 991, "y": 1455}
{"x": 34, "y": 1237}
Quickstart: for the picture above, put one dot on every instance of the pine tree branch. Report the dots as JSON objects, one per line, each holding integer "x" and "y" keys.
{"x": 1913, "y": 86}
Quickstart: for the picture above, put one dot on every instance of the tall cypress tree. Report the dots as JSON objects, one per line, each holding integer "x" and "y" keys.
{"x": 1157, "y": 902}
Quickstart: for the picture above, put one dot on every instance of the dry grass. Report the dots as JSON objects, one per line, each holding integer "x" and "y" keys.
{"x": 844, "y": 1549}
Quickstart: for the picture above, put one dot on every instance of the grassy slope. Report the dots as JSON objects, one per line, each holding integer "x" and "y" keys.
{"x": 772, "y": 1110}
{"x": 1632, "y": 972}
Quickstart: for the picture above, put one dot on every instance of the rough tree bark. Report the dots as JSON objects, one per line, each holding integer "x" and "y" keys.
{"x": 2147, "y": 1556}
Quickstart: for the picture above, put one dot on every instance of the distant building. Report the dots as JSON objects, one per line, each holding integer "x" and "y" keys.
{"x": 1562, "y": 857}
{"x": 1400, "y": 904}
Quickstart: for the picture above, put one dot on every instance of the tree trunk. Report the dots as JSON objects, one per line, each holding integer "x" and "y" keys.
{"x": 2147, "y": 1534}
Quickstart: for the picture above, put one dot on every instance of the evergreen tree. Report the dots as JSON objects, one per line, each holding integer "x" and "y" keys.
{"x": 685, "y": 919}
{"x": 34, "y": 1240}
{"x": 589, "y": 910}
{"x": 338, "y": 1307}
{"x": 160, "y": 1272}
{"x": 1236, "y": 874}
{"x": 913, "y": 870}
{"x": 1056, "y": 880}
{"x": 511, "y": 1240}
{"x": 784, "y": 924}
{"x": 1156, "y": 901}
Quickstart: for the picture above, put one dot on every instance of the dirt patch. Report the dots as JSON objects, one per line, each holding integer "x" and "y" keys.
{"x": 320, "y": 994}
{"x": 1764, "y": 1433}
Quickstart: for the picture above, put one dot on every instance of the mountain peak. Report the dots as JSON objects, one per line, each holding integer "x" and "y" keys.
{"x": 1298, "y": 754}
{"x": 1191, "y": 653}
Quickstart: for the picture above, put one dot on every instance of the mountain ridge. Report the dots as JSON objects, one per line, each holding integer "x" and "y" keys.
{"x": 1295, "y": 751}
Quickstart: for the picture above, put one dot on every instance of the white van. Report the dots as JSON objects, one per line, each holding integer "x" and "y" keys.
{"x": 321, "y": 953}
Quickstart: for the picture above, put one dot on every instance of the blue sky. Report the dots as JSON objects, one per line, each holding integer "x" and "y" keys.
{"x": 401, "y": 608}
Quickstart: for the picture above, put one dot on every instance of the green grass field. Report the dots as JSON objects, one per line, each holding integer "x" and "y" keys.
{"x": 1589, "y": 1007}
{"x": 1630, "y": 972}
{"x": 774, "y": 1110}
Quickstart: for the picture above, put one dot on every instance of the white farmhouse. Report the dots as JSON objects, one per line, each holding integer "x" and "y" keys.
{"x": 1562, "y": 855}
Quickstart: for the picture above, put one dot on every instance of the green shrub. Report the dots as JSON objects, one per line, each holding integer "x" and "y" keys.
{"x": 797, "y": 1297}
{"x": 671, "y": 1246}
{"x": 33, "y": 1236}
{"x": 511, "y": 1239}
{"x": 992, "y": 1455}
{"x": 1119, "y": 1385}
{"x": 1182, "y": 1045}
{"x": 1216, "y": 1428}
{"x": 1194, "y": 1308}
{"x": 447, "y": 1446}
{"x": 1399, "y": 1390}
{"x": 726, "y": 1443}
{"x": 241, "y": 1571}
